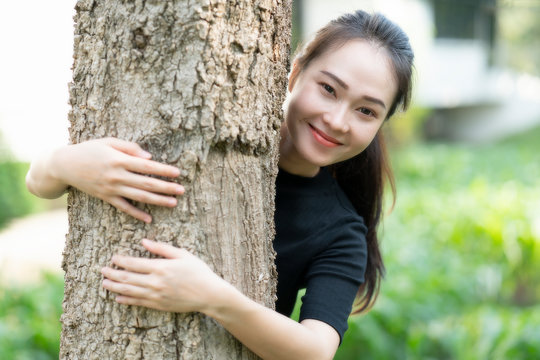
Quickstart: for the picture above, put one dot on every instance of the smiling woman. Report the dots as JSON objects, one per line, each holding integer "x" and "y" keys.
{"x": 344, "y": 84}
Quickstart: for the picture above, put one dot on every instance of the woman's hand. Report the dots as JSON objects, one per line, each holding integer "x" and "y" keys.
{"x": 110, "y": 169}
{"x": 179, "y": 283}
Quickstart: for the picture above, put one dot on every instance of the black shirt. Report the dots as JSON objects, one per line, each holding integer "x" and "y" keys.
{"x": 320, "y": 245}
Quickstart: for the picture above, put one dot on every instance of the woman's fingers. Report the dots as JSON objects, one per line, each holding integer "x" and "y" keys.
{"x": 152, "y": 184}
{"x": 124, "y": 206}
{"x": 125, "y": 277}
{"x": 125, "y": 289}
{"x": 147, "y": 197}
{"x": 135, "y": 264}
{"x": 129, "y": 293}
{"x": 165, "y": 250}
{"x": 150, "y": 167}
{"x": 127, "y": 147}
{"x": 128, "y": 300}
{"x": 118, "y": 200}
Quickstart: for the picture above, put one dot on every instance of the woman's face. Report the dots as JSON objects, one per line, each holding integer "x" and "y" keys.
{"x": 338, "y": 103}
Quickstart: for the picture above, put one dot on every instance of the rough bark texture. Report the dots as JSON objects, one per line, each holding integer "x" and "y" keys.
{"x": 200, "y": 85}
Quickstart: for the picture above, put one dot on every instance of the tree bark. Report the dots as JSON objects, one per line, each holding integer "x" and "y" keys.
{"x": 199, "y": 84}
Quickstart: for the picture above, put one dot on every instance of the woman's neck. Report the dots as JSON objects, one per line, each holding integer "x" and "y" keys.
{"x": 289, "y": 158}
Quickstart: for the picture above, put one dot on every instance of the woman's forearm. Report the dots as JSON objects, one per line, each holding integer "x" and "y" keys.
{"x": 42, "y": 180}
{"x": 269, "y": 334}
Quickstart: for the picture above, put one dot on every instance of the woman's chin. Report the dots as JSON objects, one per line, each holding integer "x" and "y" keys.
{"x": 320, "y": 161}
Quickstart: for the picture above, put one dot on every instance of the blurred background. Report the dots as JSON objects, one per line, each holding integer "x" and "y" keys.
{"x": 462, "y": 245}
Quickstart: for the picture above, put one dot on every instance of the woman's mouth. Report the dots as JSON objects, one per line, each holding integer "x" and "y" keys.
{"x": 322, "y": 138}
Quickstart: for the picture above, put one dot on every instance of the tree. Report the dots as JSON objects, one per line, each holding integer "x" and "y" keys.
{"x": 199, "y": 84}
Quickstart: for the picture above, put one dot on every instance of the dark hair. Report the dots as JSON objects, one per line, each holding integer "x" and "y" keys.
{"x": 363, "y": 177}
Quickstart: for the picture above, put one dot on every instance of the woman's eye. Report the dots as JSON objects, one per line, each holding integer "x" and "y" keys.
{"x": 366, "y": 111}
{"x": 328, "y": 89}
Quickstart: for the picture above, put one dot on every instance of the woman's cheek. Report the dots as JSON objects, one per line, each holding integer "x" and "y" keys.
{"x": 305, "y": 100}
{"x": 292, "y": 113}
{"x": 312, "y": 100}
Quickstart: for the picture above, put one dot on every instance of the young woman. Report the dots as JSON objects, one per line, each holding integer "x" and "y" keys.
{"x": 343, "y": 85}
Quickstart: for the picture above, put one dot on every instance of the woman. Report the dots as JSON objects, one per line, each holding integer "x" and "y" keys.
{"x": 343, "y": 85}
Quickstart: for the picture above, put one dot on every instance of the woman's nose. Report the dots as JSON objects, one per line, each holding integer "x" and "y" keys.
{"x": 336, "y": 119}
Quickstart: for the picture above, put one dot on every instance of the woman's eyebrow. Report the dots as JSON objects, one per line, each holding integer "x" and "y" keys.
{"x": 336, "y": 79}
{"x": 374, "y": 100}
{"x": 346, "y": 87}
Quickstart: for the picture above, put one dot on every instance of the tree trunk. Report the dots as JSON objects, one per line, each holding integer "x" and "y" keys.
{"x": 199, "y": 84}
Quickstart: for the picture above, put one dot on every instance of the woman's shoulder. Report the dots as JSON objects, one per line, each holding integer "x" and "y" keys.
{"x": 347, "y": 213}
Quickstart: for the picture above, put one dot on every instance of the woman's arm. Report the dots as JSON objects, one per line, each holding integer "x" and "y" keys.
{"x": 110, "y": 169}
{"x": 272, "y": 335}
{"x": 184, "y": 283}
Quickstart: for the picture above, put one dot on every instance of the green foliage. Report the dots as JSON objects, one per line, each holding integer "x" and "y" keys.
{"x": 461, "y": 250}
{"x": 29, "y": 320}
{"x": 15, "y": 200}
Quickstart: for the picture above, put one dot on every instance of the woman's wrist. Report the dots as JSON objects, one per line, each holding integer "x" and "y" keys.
{"x": 224, "y": 302}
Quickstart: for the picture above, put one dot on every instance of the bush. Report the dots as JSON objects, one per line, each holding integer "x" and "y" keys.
{"x": 29, "y": 320}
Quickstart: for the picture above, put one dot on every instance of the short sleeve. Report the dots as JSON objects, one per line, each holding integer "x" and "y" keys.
{"x": 335, "y": 275}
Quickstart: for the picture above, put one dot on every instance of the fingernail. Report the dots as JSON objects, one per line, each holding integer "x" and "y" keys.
{"x": 147, "y": 219}
{"x": 172, "y": 201}
{"x": 147, "y": 243}
{"x": 145, "y": 154}
{"x": 180, "y": 189}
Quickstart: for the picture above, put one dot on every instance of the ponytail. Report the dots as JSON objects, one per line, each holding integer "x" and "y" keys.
{"x": 363, "y": 179}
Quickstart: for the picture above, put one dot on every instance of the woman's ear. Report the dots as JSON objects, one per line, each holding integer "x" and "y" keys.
{"x": 293, "y": 75}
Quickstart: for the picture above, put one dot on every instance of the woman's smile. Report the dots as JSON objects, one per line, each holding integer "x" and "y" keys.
{"x": 323, "y": 138}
